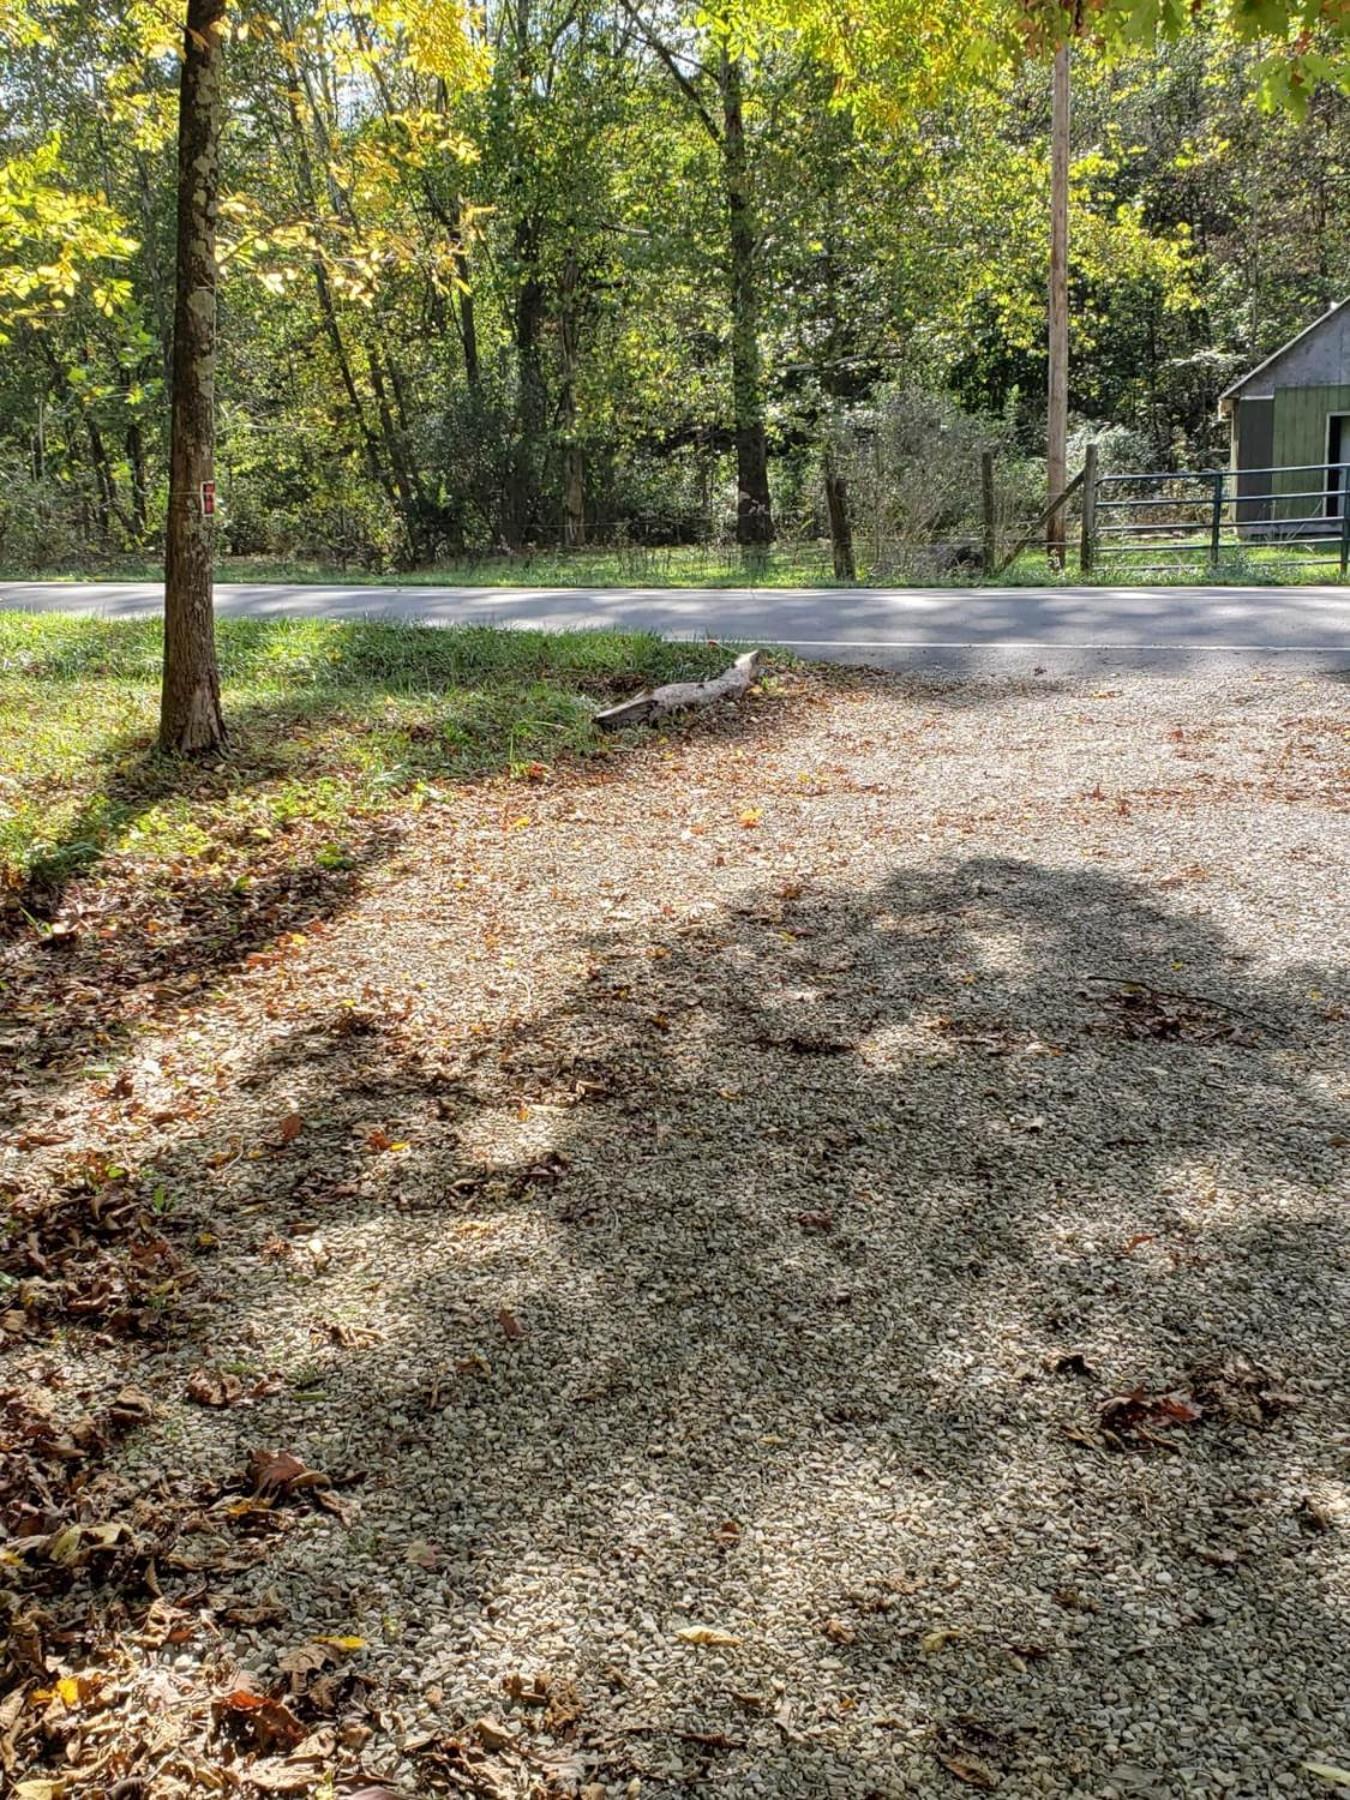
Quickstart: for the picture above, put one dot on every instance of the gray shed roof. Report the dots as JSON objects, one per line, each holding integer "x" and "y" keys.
{"x": 1300, "y": 339}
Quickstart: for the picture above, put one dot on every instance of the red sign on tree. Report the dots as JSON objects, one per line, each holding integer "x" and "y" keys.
{"x": 208, "y": 498}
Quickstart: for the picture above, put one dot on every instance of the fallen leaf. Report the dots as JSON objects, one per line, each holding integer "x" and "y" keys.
{"x": 291, "y": 1127}
{"x": 705, "y": 1634}
{"x": 1328, "y": 1772}
{"x": 751, "y": 817}
{"x": 510, "y": 1324}
{"x": 131, "y": 1407}
{"x": 970, "y": 1769}
{"x": 493, "y": 1735}
{"x": 1136, "y": 1416}
{"x": 938, "y": 1639}
{"x": 281, "y": 1472}
{"x": 208, "y": 1388}
{"x": 263, "y": 1723}
{"x": 421, "y": 1554}
{"x": 838, "y": 1632}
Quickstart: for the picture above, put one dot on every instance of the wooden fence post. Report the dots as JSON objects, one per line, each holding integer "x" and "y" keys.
{"x": 1087, "y": 545}
{"x": 1216, "y": 519}
{"x": 987, "y": 506}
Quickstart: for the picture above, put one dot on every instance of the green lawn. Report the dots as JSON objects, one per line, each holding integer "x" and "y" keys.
{"x": 783, "y": 566}
{"x": 331, "y": 726}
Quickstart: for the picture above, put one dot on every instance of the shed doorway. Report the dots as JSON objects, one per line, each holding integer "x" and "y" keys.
{"x": 1338, "y": 456}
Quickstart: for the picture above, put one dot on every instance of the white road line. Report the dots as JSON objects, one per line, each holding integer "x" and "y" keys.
{"x": 1036, "y": 644}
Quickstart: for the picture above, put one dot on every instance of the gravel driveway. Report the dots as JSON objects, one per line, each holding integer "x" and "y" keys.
{"x": 816, "y": 1258}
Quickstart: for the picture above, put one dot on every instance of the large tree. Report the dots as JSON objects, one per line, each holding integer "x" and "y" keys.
{"x": 190, "y": 716}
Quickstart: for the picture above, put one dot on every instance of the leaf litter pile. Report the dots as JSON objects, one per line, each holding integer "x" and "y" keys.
{"x": 812, "y": 1259}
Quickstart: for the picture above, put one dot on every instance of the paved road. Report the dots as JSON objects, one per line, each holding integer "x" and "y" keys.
{"x": 1059, "y": 630}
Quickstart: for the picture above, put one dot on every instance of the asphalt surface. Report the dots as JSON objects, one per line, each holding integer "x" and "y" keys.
{"x": 1004, "y": 630}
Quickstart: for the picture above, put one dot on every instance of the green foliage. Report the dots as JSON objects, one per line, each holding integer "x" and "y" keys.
{"x": 476, "y": 287}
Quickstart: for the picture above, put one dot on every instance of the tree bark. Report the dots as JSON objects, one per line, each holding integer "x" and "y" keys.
{"x": 754, "y": 516}
{"x": 1057, "y": 421}
{"x": 574, "y": 459}
{"x": 190, "y": 717}
{"x": 522, "y": 507}
{"x": 140, "y": 481}
{"x": 841, "y": 524}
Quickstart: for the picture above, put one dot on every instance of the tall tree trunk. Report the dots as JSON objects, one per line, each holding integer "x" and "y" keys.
{"x": 532, "y": 400}
{"x": 405, "y": 480}
{"x": 140, "y": 485}
{"x": 574, "y": 459}
{"x": 841, "y": 524}
{"x": 190, "y": 718}
{"x": 1057, "y": 420}
{"x": 754, "y": 516}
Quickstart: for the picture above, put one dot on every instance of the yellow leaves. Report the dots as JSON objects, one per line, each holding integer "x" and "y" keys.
{"x": 431, "y": 36}
{"x": 50, "y": 236}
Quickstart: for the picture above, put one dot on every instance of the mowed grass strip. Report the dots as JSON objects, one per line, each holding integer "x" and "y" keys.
{"x": 331, "y": 724}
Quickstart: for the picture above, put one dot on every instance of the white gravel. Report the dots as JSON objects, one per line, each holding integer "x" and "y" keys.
{"x": 856, "y": 1134}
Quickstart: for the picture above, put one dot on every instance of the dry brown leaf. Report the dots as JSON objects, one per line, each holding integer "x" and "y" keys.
{"x": 258, "y": 1720}
{"x": 705, "y": 1634}
{"x": 493, "y": 1735}
{"x": 971, "y": 1769}
{"x": 511, "y": 1326}
{"x": 291, "y": 1127}
{"x": 281, "y": 1472}
{"x": 210, "y": 1388}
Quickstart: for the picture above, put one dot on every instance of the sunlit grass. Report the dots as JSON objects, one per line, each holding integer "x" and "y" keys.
{"x": 784, "y": 565}
{"x": 330, "y": 725}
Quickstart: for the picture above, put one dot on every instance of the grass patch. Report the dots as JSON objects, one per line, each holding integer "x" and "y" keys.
{"x": 332, "y": 724}
{"x": 785, "y": 565}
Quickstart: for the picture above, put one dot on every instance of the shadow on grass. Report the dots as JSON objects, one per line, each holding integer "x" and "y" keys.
{"x": 172, "y": 872}
{"x": 827, "y": 1223}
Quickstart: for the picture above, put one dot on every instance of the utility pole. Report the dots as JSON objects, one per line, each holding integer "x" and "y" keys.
{"x": 1057, "y": 418}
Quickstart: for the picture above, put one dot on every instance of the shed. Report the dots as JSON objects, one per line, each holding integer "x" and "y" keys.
{"x": 1290, "y": 422}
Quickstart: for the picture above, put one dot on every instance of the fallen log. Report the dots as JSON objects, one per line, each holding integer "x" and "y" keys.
{"x": 678, "y": 696}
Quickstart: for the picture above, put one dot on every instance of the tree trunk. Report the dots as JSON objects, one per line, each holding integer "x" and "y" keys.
{"x": 1057, "y": 422}
{"x": 754, "y": 517}
{"x": 841, "y": 525}
{"x": 532, "y": 398}
{"x": 574, "y": 459}
{"x": 140, "y": 484}
{"x": 190, "y": 717}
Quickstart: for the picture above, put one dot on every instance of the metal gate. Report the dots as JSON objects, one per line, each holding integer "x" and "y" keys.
{"x": 1258, "y": 515}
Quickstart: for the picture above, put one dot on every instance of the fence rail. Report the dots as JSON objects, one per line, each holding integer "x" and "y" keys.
{"x": 1211, "y": 511}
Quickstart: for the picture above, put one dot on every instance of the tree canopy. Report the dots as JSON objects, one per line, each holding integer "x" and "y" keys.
{"x": 559, "y": 271}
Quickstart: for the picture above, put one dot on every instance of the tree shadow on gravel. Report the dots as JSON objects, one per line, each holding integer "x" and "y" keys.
{"x": 769, "y": 1283}
{"x": 156, "y": 935}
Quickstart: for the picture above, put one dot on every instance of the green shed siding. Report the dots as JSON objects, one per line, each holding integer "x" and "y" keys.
{"x": 1300, "y": 437}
